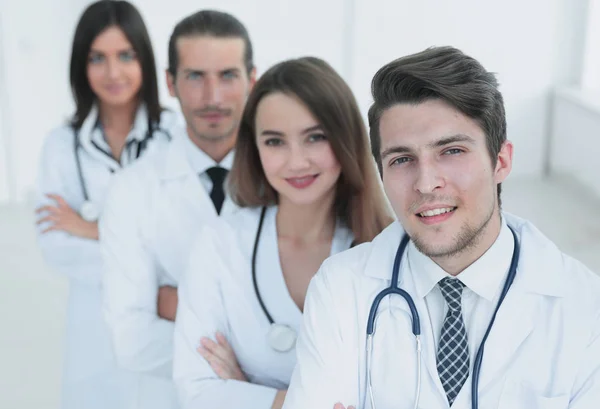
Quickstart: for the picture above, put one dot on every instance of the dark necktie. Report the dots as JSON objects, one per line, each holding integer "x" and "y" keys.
{"x": 453, "y": 351}
{"x": 217, "y": 174}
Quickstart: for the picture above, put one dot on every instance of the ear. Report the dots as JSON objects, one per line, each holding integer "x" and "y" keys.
{"x": 504, "y": 162}
{"x": 171, "y": 83}
{"x": 252, "y": 79}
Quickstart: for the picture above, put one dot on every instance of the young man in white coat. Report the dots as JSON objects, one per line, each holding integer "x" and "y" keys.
{"x": 156, "y": 207}
{"x": 438, "y": 132}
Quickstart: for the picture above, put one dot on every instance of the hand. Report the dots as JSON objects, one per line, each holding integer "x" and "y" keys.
{"x": 221, "y": 358}
{"x": 66, "y": 219}
{"x": 340, "y": 406}
{"x": 167, "y": 302}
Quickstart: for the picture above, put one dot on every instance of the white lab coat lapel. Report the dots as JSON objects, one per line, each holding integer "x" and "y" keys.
{"x": 429, "y": 354}
{"x": 279, "y": 303}
{"x": 185, "y": 184}
{"x": 536, "y": 278}
{"x": 180, "y": 211}
{"x": 139, "y": 130}
{"x": 85, "y": 139}
{"x": 392, "y": 311}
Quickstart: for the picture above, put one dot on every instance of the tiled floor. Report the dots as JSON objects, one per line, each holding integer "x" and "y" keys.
{"x": 32, "y": 301}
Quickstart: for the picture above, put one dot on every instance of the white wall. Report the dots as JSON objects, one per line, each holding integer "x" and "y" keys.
{"x": 591, "y": 68}
{"x": 529, "y": 44}
{"x": 532, "y": 45}
{"x": 296, "y": 31}
{"x": 575, "y": 142}
{"x": 5, "y": 179}
{"x": 36, "y": 48}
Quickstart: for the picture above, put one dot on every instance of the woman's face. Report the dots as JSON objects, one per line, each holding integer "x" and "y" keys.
{"x": 294, "y": 150}
{"x": 113, "y": 70}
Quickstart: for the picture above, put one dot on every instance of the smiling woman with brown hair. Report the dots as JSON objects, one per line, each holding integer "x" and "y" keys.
{"x": 308, "y": 188}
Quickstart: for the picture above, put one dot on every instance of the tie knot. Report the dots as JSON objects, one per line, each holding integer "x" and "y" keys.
{"x": 217, "y": 175}
{"x": 452, "y": 291}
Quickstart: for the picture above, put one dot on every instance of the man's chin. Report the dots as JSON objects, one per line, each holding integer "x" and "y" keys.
{"x": 214, "y": 134}
{"x": 434, "y": 243}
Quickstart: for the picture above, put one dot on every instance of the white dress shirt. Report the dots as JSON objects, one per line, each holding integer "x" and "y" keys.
{"x": 483, "y": 280}
{"x": 200, "y": 162}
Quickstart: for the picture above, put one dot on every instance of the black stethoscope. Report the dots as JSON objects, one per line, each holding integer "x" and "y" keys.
{"x": 416, "y": 323}
{"x": 89, "y": 211}
{"x": 280, "y": 337}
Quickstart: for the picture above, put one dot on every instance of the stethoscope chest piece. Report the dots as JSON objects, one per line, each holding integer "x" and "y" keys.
{"x": 281, "y": 338}
{"x": 89, "y": 211}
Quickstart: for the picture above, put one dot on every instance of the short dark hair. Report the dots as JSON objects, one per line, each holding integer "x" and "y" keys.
{"x": 96, "y": 18}
{"x": 359, "y": 202}
{"x": 443, "y": 73}
{"x": 209, "y": 23}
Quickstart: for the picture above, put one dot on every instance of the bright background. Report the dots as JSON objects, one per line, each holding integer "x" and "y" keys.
{"x": 546, "y": 54}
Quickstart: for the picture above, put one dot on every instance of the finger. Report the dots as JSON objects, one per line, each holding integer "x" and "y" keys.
{"x": 214, "y": 362}
{"x": 339, "y": 406}
{"x": 48, "y": 209}
{"x": 46, "y": 219}
{"x": 51, "y": 228}
{"x": 216, "y": 349}
{"x": 223, "y": 342}
{"x": 54, "y": 197}
{"x": 208, "y": 344}
{"x": 61, "y": 202}
{"x": 220, "y": 369}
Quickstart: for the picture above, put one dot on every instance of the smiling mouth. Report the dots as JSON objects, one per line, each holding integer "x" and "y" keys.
{"x": 302, "y": 182}
{"x": 436, "y": 212}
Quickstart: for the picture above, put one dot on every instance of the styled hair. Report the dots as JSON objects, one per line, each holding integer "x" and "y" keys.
{"x": 359, "y": 200}
{"x": 210, "y": 23}
{"x": 446, "y": 74}
{"x": 98, "y": 17}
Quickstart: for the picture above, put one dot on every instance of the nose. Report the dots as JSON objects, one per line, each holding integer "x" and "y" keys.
{"x": 113, "y": 68}
{"x": 429, "y": 177}
{"x": 298, "y": 159}
{"x": 212, "y": 91}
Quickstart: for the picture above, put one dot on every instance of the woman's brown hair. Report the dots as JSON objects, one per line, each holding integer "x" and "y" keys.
{"x": 359, "y": 200}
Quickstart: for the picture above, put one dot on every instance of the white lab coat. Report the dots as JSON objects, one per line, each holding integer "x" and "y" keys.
{"x": 154, "y": 211}
{"x": 91, "y": 378}
{"x": 217, "y": 294}
{"x": 542, "y": 353}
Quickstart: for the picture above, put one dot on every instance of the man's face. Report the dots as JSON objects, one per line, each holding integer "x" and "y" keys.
{"x": 212, "y": 84}
{"x": 439, "y": 177}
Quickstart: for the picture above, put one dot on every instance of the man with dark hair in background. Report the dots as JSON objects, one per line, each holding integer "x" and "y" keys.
{"x": 156, "y": 207}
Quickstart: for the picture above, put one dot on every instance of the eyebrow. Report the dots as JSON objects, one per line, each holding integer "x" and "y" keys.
{"x": 432, "y": 145}
{"x": 92, "y": 50}
{"x": 197, "y": 71}
{"x": 269, "y": 132}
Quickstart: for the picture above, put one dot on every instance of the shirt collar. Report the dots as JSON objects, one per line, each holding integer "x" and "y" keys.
{"x": 484, "y": 277}
{"x": 199, "y": 161}
{"x": 91, "y": 129}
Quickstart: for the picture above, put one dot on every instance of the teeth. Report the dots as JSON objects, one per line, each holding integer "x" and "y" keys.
{"x": 436, "y": 212}
{"x": 304, "y": 179}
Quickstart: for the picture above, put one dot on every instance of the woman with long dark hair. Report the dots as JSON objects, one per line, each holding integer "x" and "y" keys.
{"x": 117, "y": 119}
